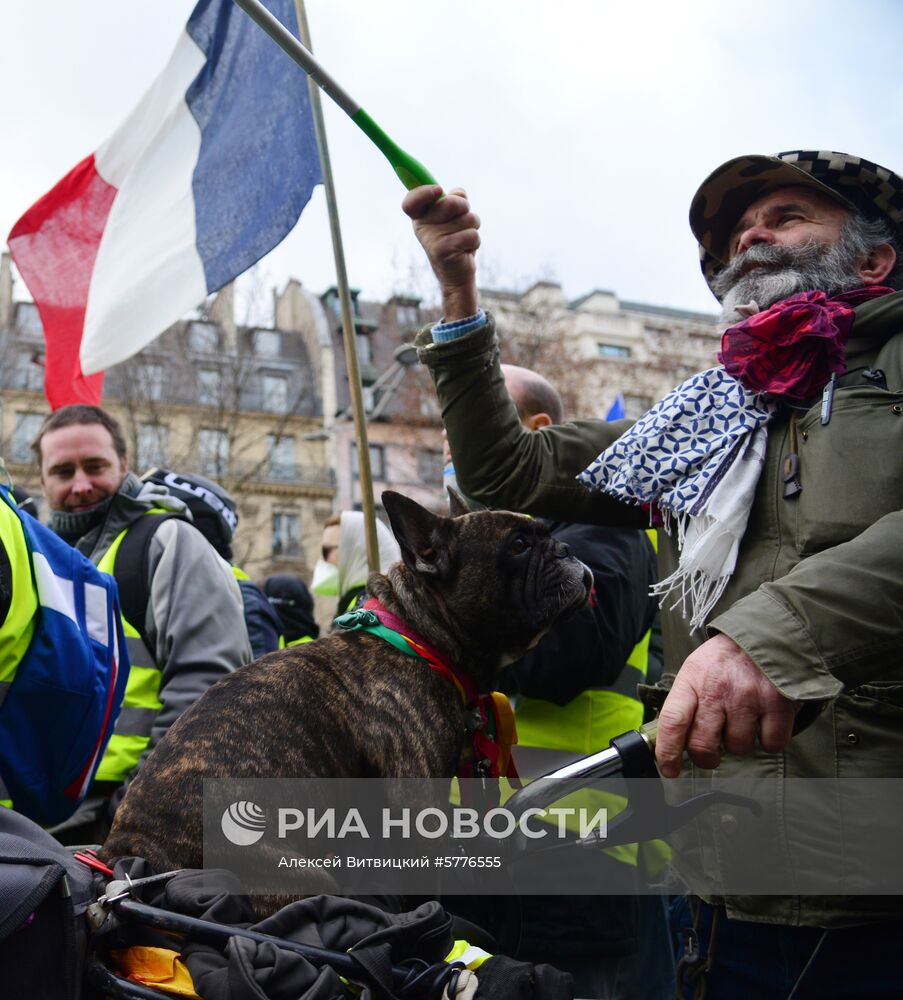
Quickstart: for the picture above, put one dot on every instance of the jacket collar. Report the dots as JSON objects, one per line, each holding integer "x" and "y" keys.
{"x": 134, "y": 499}
{"x": 876, "y": 322}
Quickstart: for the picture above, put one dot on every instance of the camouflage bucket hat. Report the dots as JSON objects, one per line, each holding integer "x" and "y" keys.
{"x": 726, "y": 193}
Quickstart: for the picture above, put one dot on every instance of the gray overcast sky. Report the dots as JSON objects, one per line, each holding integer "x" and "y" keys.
{"x": 580, "y": 128}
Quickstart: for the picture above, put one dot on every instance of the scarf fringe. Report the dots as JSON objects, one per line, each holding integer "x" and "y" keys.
{"x": 694, "y": 591}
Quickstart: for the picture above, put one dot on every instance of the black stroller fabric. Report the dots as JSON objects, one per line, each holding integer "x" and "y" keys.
{"x": 44, "y": 893}
{"x": 504, "y": 977}
{"x": 250, "y": 970}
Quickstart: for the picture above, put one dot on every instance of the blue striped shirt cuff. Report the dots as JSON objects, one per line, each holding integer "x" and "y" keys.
{"x": 443, "y": 332}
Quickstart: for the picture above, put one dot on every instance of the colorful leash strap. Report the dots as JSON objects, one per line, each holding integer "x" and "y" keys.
{"x": 490, "y": 716}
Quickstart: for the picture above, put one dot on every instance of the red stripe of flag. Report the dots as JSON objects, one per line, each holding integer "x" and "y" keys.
{"x": 54, "y": 246}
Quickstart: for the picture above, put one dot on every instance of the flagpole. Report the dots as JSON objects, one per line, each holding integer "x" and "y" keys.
{"x": 410, "y": 172}
{"x": 348, "y": 335}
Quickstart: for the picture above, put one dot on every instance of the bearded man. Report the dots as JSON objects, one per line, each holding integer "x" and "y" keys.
{"x": 777, "y": 478}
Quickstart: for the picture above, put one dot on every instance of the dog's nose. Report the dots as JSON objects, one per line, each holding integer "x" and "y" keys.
{"x": 562, "y": 550}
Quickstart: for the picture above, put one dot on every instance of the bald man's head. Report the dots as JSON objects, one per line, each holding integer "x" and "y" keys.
{"x": 533, "y": 396}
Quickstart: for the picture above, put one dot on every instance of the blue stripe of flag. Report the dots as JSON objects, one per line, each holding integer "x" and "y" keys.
{"x": 258, "y": 162}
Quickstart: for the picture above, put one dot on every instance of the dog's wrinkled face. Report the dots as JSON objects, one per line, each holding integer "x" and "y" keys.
{"x": 501, "y": 578}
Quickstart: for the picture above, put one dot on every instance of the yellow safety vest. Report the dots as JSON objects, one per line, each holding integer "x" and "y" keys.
{"x": 18, "y": 627}
{"x": 585, "y": 725}
{"x": 468, "y": 954}
{"x": 141, "y": 703}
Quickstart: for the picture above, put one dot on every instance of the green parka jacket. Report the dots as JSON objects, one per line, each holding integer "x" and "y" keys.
{"x": 817, "y": 596}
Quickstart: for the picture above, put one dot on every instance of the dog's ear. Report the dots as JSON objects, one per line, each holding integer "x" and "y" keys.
{"x": 457, "y": 505}
{"x": 422, "y": 536}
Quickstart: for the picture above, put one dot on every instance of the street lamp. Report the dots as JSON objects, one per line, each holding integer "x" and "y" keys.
{"x": 403, "y": 357}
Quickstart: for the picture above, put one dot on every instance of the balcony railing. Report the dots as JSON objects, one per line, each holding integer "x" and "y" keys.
{"x": 294, "y": 474}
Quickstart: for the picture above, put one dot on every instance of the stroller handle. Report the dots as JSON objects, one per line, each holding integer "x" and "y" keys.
{"x": 572, "y": 777}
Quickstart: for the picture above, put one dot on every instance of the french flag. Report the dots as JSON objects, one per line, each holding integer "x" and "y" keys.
{"x": 209, "y": 172}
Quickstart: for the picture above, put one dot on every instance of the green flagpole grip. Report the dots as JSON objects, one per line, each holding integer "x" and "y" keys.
{"x": 410, "y": 171}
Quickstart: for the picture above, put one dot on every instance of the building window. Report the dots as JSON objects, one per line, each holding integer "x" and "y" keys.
{"x": 153, "y": 446}
{"x": 429, "y": 466}
{"x": 28, "y": 319}
{"x": 331, "y": 301}
{"x": 377, "y": 461}
{"x": 281, "y": 456}
{"x": 364, "y": 352}
{"x": 407, "y": 315}
{"x": 213, "y": 447}
{"x": 286, "y": 535}
{"x": 29, "y": 371}
{"x": 267, "y": 343}
{"x": 274, "y": 392}
{"x": 153, "y": 376}
{"x": 25, "y": 430}
{"x": 203, "y": 337}
{"x": 612, "y": 351}
{"x": 210, "y": 386}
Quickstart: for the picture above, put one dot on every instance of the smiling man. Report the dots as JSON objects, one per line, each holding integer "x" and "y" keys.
{"x": 82, "y": 467}
{"x": 183, "y": 619}
{"x": 783, "y": 586}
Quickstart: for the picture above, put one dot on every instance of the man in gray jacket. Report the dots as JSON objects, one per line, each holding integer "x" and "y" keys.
{"x": 188, "y": 631}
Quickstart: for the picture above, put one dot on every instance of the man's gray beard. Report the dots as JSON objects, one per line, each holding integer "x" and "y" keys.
{"x": 811, "y": 266}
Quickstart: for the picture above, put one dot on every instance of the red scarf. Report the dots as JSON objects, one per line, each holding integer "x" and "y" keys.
{"x": 793, "y": 348}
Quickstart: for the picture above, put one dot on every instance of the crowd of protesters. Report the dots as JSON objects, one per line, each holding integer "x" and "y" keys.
{"x": 772, "y": 481}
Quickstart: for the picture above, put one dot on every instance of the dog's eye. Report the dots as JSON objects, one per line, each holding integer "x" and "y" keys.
{"x": 519, "y": 545}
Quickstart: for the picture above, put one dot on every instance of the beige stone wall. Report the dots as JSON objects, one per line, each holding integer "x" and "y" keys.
{"x": 22, "y": 469}
{"x": 411, "y": 458}
{"x": 596, "y": 347}
{"x": 257, "y": 500}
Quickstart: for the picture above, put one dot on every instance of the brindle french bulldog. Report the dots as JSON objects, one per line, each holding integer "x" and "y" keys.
{"x": 481, "y": 587}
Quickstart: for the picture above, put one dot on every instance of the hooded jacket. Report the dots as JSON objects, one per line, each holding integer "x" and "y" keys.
{"x": 352, "y": 566}
{"x": 816, "y": 599}
{"x": 294, "y": 604}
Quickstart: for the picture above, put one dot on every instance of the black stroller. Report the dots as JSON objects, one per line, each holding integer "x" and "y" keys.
{"x": 64, "y": 918}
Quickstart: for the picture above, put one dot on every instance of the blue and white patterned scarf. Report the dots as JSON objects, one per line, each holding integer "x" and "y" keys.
{"x": 697, "y": 455}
